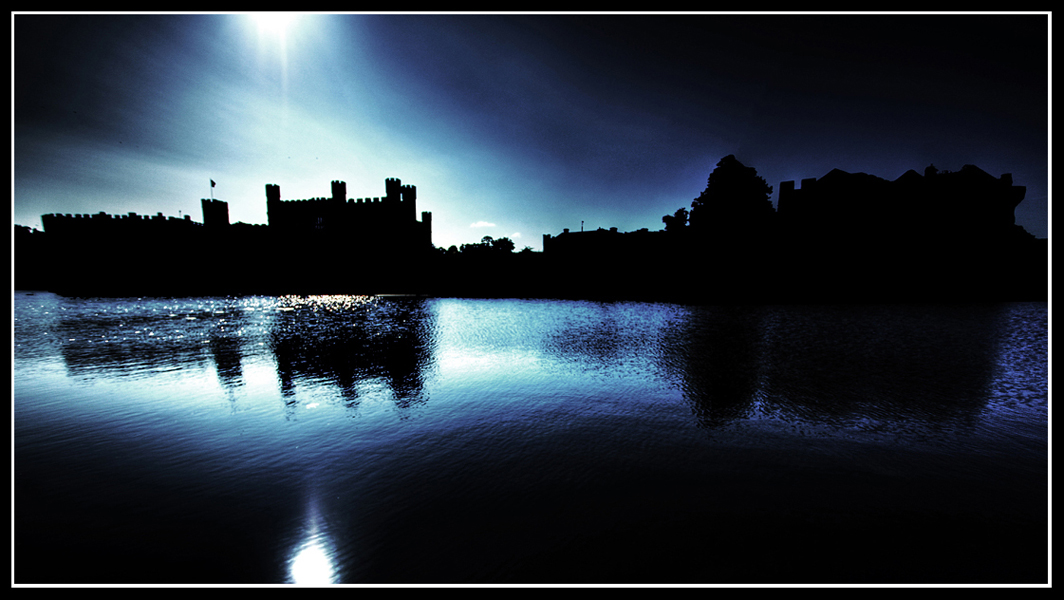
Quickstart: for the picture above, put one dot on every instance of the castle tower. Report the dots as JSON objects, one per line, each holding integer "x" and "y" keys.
{"x": 215, "y": 213}
{"x": 426, "y": 228}
{"x": 339, "y": 191}
{"x": 409, "y": 194}
{"x": 392, "y": 189}
{"x": 273, "y": 204}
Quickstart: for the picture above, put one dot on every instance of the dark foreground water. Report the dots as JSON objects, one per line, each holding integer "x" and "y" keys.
{"x": 399, "y": 440}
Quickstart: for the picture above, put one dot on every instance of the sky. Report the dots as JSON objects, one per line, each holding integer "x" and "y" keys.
{"x": 512, "y": 125}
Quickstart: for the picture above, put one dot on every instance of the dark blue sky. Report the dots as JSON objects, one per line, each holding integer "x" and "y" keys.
{"x": 513, "y": 125}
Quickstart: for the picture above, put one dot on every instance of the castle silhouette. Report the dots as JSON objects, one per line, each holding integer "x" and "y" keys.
{"x": 843, "y": 237}
{"x": 315, "y": 245}
{"x": 365, "y": 222}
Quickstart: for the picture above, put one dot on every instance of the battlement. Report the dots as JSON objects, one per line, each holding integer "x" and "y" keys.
{"x": 104, "y": 225}
{"x": 395, "y": 193}
{"x": 103, "y": 217}
{"x": 389, "y": 217}
{"x": 321, "y": 243}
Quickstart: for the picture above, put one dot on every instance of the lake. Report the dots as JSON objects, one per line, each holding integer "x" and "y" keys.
{"x": 404, "y": 440}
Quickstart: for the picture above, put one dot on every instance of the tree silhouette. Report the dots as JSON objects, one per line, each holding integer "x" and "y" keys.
{"x": 736, "y": 199}
{"x": 503, "y": 244}
{"x": 489, "y": 245}
{"x": 675, "y": 222}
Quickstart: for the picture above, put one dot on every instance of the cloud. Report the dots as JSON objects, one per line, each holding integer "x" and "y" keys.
{"x": 515, "y": 235}
{"x": 482, "y": 224}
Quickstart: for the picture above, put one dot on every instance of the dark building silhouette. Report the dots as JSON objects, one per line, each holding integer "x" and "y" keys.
{"x": 341, "y": 245}
{"x": 93, "y": 228}
{"x": 968, "y": 206}
{"x": 309, "y": 246}
{"x": 939, "y": 236}
{"x": 844, "y": 236}
{"x": 606, "y": 244}
{"x": 607, "y": 263}
{"x": 365, "y": 223}
{"x": 215, "y": 213}
{"x": 102, "y": 254}
{"x": 30, "y": 254}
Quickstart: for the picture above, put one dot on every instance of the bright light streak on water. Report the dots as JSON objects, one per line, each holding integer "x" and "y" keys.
{"x": 312, "y": 562}
{"x": 312, "y": 565}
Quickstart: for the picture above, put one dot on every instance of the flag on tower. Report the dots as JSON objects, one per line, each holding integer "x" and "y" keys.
{"x": 212, "y": 183}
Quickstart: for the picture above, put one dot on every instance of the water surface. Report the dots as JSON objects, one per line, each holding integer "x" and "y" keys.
{"x": 355, "y": 439}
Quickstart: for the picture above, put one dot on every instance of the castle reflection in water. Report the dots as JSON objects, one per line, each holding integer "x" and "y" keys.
{"x": 812, "y": 364}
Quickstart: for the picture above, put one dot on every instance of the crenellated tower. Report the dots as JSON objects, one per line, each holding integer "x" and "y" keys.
{"x": 339, "y": 191}
{"x": 215, "y": 213}
{"x": 409, "y": 194}
{"x": 392, "y": 190}
{"x": 362, "y": 223}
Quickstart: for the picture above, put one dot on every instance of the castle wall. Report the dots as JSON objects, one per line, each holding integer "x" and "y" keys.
{"x": 102, "y": 225}
{"x": 378, "y": 222}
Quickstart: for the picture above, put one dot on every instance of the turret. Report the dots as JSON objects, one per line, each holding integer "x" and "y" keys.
{"x": 409, "y": 193}
{"x": 339, "y": 191}
{"x": 215, "y": 213}
{"x": 273, "y": 192}
{"x": 273, "y": 204}
{"x": 392, "y": 189}
{"x": 426, "y": 226}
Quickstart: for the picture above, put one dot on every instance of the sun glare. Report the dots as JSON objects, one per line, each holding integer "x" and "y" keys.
{"x": 273, "y": 24}
{"x": 274, "y": 30}
{"x": 312, "y": 565}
